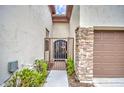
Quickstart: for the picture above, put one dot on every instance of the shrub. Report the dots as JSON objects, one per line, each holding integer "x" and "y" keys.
{"x": 70, "y": 66}
{"x": 41, "y": 67}
{"x": 38, "y": 65}
{"x": 29, "y": 77}
{"x": 12, "y": 81}
{"x": 25, "y": 78}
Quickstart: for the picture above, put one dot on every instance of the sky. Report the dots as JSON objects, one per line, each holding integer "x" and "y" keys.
{"x": 60, "y": 9}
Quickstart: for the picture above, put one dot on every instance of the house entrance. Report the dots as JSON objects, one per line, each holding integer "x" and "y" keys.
{"x": 56, "y": 52}
{"x": 60, "y": 50}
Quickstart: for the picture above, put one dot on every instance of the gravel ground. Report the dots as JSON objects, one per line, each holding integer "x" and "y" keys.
{"x": 75, "y": 83}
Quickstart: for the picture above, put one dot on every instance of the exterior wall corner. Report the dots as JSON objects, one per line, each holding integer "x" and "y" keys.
{"x": 84, "y": 54}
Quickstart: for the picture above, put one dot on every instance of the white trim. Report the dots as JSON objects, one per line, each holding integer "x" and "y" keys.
{"x": 108, "y": 27}
{"x": 86, "y": 82}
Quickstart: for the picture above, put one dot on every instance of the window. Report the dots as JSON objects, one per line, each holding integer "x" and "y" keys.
{"x": 60, "y": 9}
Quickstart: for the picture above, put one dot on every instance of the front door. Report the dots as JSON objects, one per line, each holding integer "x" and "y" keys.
{"x": 60, "y": 50}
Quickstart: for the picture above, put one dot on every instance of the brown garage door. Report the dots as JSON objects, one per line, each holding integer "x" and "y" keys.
{"x": 108, "y": 54}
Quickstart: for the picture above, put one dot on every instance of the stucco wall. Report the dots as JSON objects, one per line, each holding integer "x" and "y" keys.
{"x": 97, "y": 15}
{"x": 74, "y": 23}
{"x": 22, "y": 32}
{"x": 74, "y": 20}
{"x": 60, "y": 30}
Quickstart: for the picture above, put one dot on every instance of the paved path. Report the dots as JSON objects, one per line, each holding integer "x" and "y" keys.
{"x": 57, "y": 78}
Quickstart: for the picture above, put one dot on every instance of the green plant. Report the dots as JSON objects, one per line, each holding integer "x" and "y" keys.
{"x": 38, "y": 65}
{"x": 41, "y": 67}
{"x": 26, "y": 78}
{"x": 30, "y": 77}
{"x": 70, "y": 66}
{"x": 12, "y": 81}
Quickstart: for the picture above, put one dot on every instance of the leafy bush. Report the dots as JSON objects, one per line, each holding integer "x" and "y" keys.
{"x": 70, "y": 66}
{"x": 41, "y": 67}
{"x": 29, "y": 77}
{"x": 12, "y": 81}
{"x": 38, "y": 65}
{"x": 26, "y": 78}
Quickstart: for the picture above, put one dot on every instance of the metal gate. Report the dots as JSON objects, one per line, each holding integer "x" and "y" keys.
{"x": 60, "y": 50}
{"x": 56, "y": 52}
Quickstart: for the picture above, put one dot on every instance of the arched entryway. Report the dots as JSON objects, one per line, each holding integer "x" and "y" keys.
{"x": 60, "y": 50}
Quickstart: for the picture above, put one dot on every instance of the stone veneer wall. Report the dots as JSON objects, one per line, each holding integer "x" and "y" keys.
{"x": 84, "y": 54}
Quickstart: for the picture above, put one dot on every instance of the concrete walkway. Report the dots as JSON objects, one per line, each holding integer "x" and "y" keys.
{"x": 57, "y": 78}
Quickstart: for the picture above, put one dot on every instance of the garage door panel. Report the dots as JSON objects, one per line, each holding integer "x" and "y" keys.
{"x": 119, "y": 40}
{"x": 108, "y": 47}
{"x": 107, "y": 62}
{"x": 108, "y": 36}
{"x": 104, "y": 47}
{"x": 108, "y": 54}
{"x": 119, "y": 47}
{"x": 97, "y": 36}
{"x": 109, "y": 65}
{"x": 109, "y": 72}
{"x": 106, "y": 42}
{"x": 108, "y": 58}
{"x": 119, "y": 35}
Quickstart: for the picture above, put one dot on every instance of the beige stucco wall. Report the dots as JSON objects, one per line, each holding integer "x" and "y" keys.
{"x": 74, "y": 23}
{"x": 22, "y": 32}
{"x": 103, "y": 15}
{"x": 74, "y": 20}
{"x": 60, "y": 30}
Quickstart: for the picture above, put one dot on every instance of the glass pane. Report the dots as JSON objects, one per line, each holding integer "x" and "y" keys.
{"x": 60, "y": 9}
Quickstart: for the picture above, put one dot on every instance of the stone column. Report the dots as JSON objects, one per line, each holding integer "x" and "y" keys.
{"x": 84, "y": 54}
